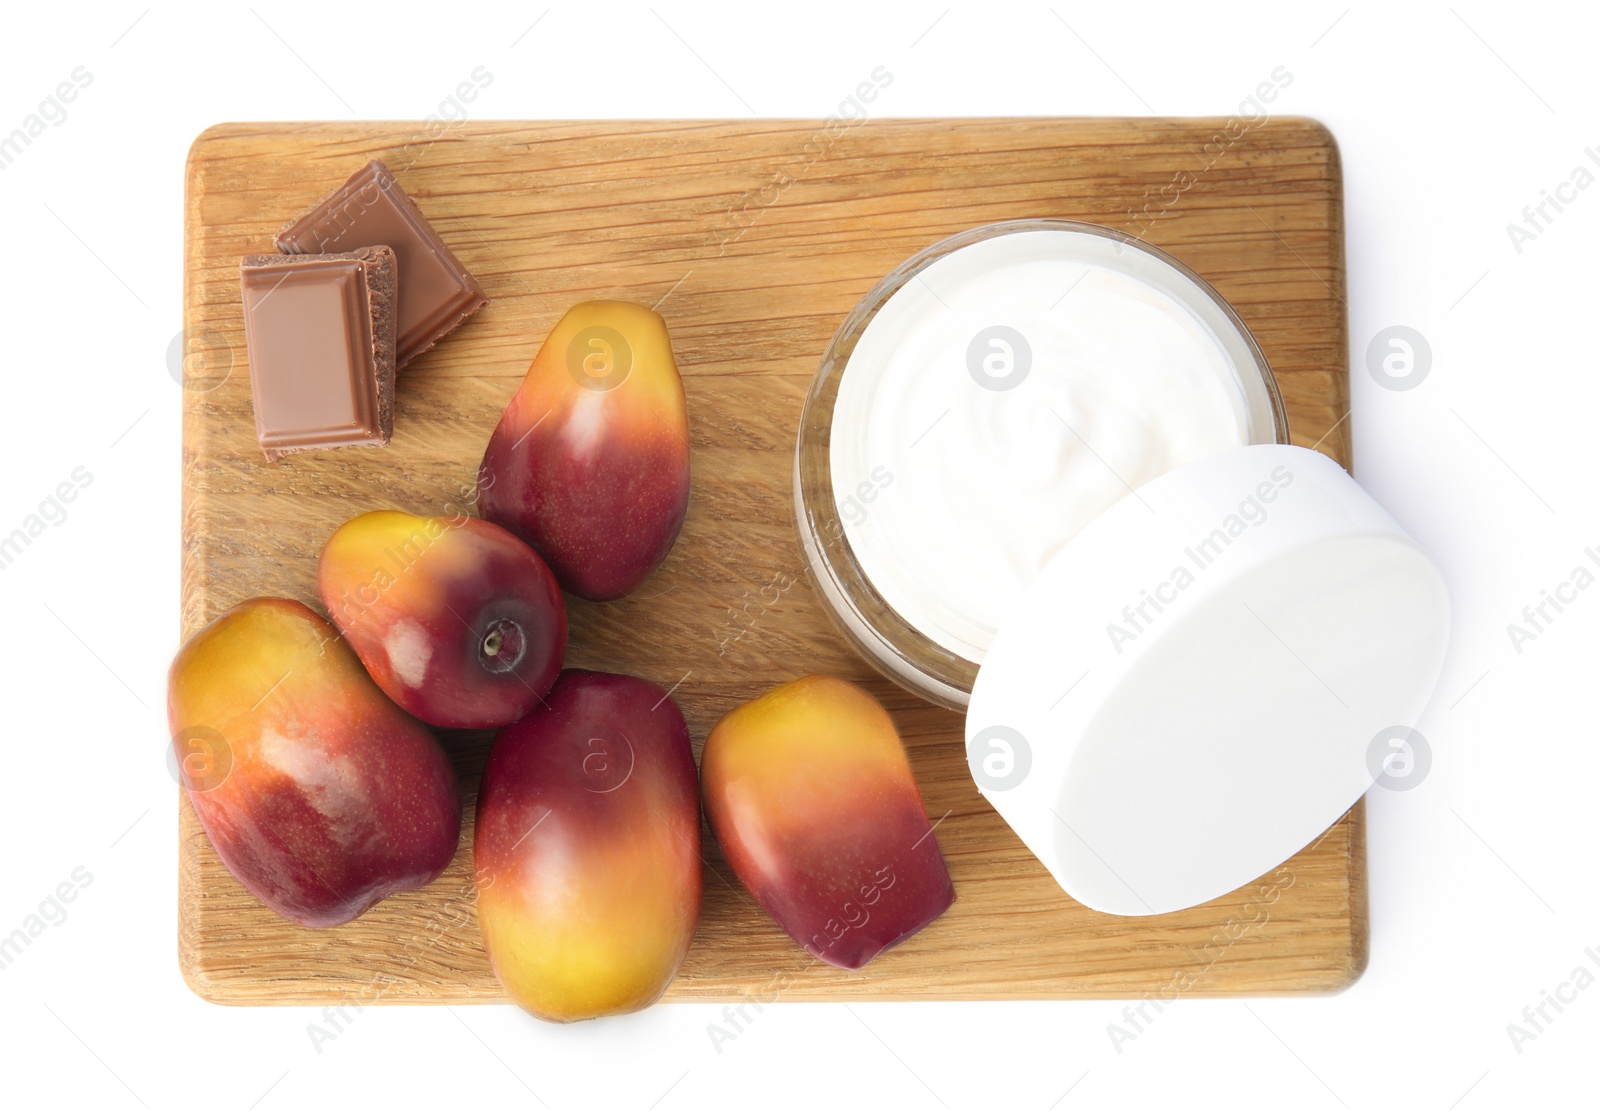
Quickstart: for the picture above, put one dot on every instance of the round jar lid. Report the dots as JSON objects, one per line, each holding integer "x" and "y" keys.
{"x": 1206, "y": 678}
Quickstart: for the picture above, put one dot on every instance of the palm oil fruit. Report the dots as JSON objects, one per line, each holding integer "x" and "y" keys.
{"x": 319, "y": 794}
{"x": 810, "y": 794}
{"x": 590, "y": 460}
{"x": 588, "y": 849}
{"x": 458, "y": 620}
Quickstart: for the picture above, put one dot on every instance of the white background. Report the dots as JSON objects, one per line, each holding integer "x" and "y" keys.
{"x": 1483, "y": 894}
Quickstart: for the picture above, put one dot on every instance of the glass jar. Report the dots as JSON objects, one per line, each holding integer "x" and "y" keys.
{"x": 897, "y": 648}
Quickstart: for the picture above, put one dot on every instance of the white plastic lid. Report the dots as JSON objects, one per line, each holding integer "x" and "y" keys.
{"x": 1191, "y": 692}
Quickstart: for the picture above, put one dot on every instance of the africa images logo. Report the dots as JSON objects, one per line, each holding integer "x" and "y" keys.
{"x": 1251, "y": 512}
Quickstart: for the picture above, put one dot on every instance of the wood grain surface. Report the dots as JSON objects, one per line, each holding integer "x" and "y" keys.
{"x": 753, "y": 239}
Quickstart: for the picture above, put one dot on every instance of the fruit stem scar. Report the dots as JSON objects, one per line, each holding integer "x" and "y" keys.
{"x": 502, "y": 647}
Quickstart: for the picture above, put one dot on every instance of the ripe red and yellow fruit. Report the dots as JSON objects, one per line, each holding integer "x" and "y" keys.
{"x": 588, "y": 836}
{"x": 458, "y": 620}
{"x": 319, "y": 794}
{"x": 590, "y": 460}
{"x": 811, "y": 797}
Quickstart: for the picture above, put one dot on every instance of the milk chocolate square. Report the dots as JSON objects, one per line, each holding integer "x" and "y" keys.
{"x": 436, "y": 292}
{"x": 320, "y": 334}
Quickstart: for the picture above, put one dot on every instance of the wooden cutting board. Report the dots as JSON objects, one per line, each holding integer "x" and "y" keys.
{"x": 753, "y": 238}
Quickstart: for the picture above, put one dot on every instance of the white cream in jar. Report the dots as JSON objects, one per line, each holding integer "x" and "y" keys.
{"x": 1007, "y": 394}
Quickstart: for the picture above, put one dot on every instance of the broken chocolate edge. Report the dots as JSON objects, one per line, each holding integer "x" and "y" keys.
{"x": 450, "y": 315}
{"x": 379, "y": 277}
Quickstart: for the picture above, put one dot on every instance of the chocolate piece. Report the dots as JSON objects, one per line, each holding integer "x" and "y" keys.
{"x": 436, "y": 292}
{"x": 320, "y": 333}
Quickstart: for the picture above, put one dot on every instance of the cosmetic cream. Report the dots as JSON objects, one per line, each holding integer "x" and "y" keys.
{"x": 987, "y": 401}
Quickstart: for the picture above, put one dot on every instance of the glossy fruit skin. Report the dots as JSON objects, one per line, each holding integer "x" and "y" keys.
{"x": 590, "y": 460}
{"x": 810, "y": 794}
{"x": 588, "y": 836}
{"x": 319, "y": 794}
{"x": 458, "y": 620}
